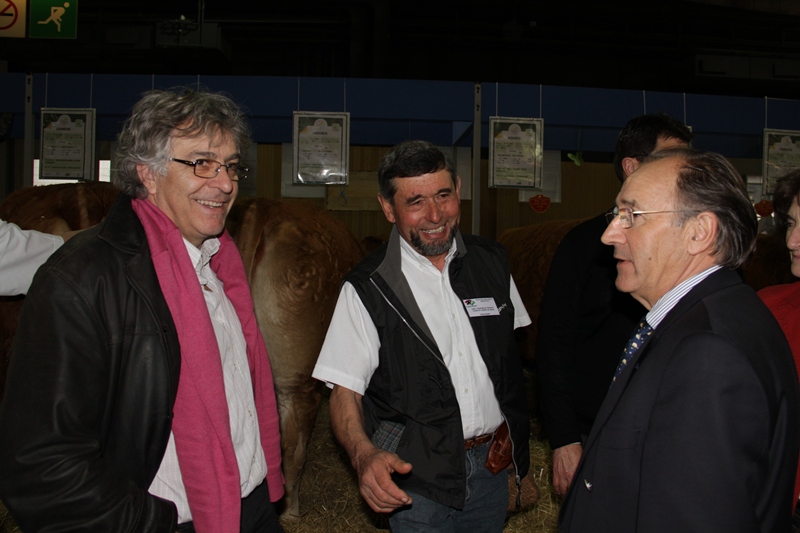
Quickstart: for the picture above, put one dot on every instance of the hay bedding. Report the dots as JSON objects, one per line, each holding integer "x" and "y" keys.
{"x": 330, "y": 501}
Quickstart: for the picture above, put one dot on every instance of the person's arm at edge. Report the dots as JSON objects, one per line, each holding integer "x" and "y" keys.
{"x": 373, "y": 465}
{"x": 22, "y": 252}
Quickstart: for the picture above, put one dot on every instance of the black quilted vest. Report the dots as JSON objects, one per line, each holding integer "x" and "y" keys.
{"x": 411, "y": 387}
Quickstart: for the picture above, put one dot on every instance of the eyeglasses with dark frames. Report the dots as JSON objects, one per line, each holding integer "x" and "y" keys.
{"x": 626, "y": 215}
{"x": 208, "y": 168}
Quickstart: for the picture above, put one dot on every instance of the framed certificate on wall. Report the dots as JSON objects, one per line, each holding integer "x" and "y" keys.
{"x": 321, "y": 148}
{"x": 781, "y": 156}
{"x": 67, "y": 144}
{"x": 515, "y": 152}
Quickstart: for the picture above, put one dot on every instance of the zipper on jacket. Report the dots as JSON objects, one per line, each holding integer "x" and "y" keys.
{"x": 420, "y": 339}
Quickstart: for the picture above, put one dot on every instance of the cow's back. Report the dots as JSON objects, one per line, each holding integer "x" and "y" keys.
{"x": 530, "y": 252}
{"x": 295, "y": 256}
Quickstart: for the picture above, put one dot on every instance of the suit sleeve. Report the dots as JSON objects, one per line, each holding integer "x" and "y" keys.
{"x": 712, "y": 430}
{"x": 53, "y": 476}
{"x": 556, "y": 345}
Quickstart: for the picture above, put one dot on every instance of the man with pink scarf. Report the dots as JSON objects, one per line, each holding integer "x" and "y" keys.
{"x": 139, "y": 394}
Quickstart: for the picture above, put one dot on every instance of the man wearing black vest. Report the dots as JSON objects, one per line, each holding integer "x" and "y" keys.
{"x": 422, "y": 360}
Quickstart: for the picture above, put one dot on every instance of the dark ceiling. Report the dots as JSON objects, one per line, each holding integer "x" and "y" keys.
{"x": 686, "y": 46}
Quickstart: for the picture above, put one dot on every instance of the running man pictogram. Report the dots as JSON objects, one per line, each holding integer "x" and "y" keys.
{"x": 55, "y": 15}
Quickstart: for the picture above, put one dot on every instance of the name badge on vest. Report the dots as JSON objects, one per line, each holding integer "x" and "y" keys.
{"x": 481, "y": 307}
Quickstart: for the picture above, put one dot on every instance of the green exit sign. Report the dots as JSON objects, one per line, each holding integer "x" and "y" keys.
{"x": 53, "y": 19}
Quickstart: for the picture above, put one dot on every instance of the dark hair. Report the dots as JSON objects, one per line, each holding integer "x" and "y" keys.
{"x": 787, "y": 190}
{"x": 640, "y": 136}
{"x": 707, "y": 182}
{"x": 161, "y": 115}
{"x": 410, "y": 159}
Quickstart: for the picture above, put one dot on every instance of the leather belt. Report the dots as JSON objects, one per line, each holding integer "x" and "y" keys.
{"x": 477, "y": 441}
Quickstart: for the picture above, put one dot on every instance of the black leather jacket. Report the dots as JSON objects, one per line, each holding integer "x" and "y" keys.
{"x": 91, "y": 385}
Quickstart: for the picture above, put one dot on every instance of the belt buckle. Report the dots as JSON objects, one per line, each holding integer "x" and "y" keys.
{"x": 477, "y": 441}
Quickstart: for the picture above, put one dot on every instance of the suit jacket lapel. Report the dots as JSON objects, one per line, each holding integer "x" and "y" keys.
{"x": 717, "y": 281}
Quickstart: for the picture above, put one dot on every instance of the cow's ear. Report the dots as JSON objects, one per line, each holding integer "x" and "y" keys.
{"x": 148, "y": 178}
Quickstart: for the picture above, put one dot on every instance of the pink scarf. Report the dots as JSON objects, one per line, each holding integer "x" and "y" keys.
{"x": 201, "y": 425}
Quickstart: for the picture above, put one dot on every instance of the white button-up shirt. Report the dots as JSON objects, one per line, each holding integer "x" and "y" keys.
{"x": 349, "y": 355}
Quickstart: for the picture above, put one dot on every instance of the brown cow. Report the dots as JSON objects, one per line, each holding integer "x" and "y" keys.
{"x": 55, "y": 209}
{"x": 530, "y": 251}
{"x": 58, "y": 209}
{"x": 295, "y": 256}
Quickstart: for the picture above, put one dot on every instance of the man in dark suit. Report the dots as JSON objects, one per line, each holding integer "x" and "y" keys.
{"x": 699, "y": 430}
{"x": 585, "y": 321}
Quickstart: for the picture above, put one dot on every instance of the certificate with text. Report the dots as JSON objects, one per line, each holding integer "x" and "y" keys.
{"x": 321, "y": 148}
{"x": 515, "y": 152}
{"x": 781, "y": 156}
{"x": 67, "y": 144}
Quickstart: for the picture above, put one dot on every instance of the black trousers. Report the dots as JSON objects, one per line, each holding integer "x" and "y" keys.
{"x": 258, "y": 514}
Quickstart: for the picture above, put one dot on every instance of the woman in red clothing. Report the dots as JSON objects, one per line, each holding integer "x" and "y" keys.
{"x": 784, "y": 300}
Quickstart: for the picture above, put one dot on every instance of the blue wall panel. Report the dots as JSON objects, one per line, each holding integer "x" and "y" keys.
{"x": 390, "y": 132}
{"x": 61, "y": 90}
{"x": 12, "y": 93}
{"x": 728, "y": 114}
{"x": 407, "y": 99}
{"x": 782, "y": 114}
{"x": 560, "y": 138}
{"x": 384, "y": 112}
{"x": 116, "y": 94}
{"x": 321, "y": 95}
{"x": 670, "y": 103}
{"x": 579, "y": 106}
{"x": 261, "y": 96}
{"x": 594, "y": 140}
{"x": 730, "y": 145}
{"x": 271, "y": 130}
{"x": 107, "y": 127}
{"x": 511, "y": 100}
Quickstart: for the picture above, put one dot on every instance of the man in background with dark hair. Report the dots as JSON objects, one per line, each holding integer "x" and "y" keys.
{"x": 422, "y": 360}
{"x": 585, "y": 320}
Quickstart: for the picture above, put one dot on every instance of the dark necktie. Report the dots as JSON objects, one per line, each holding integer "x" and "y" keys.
{"x": 642, "y": 332}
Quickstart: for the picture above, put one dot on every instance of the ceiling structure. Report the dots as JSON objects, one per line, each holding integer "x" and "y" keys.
{"x": 728, "y": 47}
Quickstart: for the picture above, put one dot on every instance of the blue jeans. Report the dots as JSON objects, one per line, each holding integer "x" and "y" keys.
{"x": 484, "y": 510}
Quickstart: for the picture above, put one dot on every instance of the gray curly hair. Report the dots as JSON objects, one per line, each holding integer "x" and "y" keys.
{"x": 161, "y": 115}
